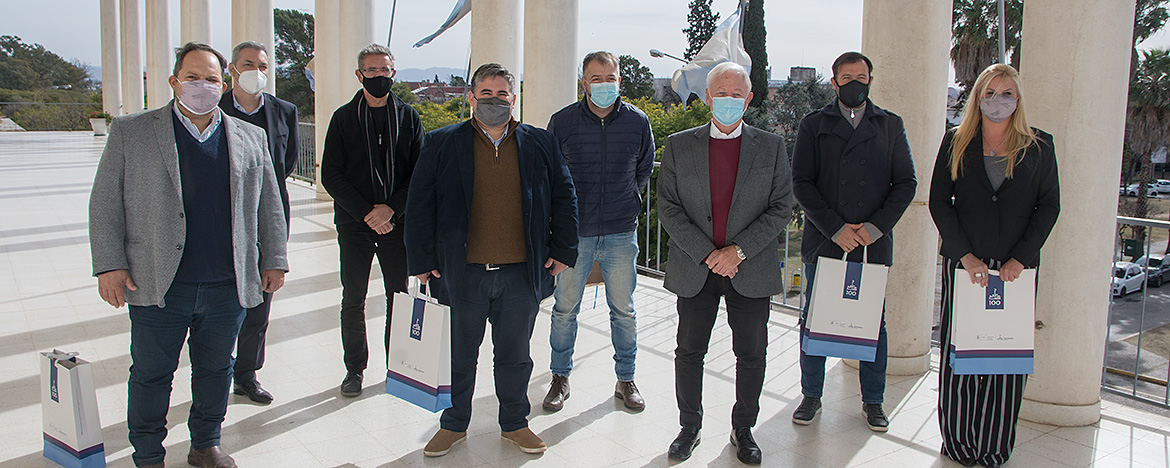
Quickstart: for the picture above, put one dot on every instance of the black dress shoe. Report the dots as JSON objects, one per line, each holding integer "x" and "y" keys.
{"x": 875, "y": 417}
{"x": 253, "y": 391}
{"x": 809, "y": 408}
{"x": 745, "y": 446}
{"x": 352, "y": 385}
{"x": 684, "y": 444}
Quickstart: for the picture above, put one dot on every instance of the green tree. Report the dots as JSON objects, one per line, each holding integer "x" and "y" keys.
{"x": 456, "y": 80}
{"x": 637, "y": 81}
{"x": 32, "y": 67}
{"x": 975, "y": 37}
{"x": 294, "y": 49}
{"x": 702, "y": 22}
{"x": 435, "y": 116}
{"x": 402, "y": 90}
{"x": 1149, "y": 17}
{"x": 1148, "y": 118}
{"x": 796, "y": 99}
{"x": 754, "y": 36}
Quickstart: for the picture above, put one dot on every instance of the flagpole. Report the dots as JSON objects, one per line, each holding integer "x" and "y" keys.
{"x": 390, "y": 35}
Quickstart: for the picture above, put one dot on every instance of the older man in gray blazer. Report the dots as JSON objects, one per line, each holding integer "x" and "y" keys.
{"x": 186, "y": 226}
{"x": 724, "y": 196}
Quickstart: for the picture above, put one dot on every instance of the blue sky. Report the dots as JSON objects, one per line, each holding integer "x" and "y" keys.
{"x": 800, "y": 32}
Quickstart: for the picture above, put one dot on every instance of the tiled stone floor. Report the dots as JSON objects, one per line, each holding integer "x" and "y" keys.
{"x": 48, "y": 300}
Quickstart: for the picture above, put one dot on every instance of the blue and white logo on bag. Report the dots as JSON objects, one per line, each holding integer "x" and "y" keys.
{"x": 994, "y": 292}
{"x": 53, "y": 393}
{"x": 416, "y": 319}
{"x": 852, "y": 281}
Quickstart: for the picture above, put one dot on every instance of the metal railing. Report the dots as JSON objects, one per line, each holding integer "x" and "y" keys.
{"x": 1137, "y": 342}
{"x": 306, "y": 167}
{"x": 652, "y": 240}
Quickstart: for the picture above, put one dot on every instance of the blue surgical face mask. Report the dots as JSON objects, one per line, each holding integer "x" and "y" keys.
{"x": 603, "y": 95}
{"x": 727, "y": 110}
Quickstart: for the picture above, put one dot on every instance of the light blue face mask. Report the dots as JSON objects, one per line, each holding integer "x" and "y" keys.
{"x": 727, "y": 110}
{"x": 603, "y": 95}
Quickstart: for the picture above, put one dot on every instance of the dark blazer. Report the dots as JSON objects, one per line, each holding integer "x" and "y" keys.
{"x": 347, "y": 169}
{"x": 760, "y": 208}
{"x": 1012, "y": 222}
{"x": 439, "y": 207}
{"x": 844, "y": 175}
{"x": 282, "y": 136}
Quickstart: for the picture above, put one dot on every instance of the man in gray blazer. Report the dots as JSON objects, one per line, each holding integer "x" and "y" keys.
{"x": 724, "y": 196}
{"x": 186, "y": 226}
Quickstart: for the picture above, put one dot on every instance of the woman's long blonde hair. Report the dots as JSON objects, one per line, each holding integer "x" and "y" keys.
{"x": 1019, "y": 134}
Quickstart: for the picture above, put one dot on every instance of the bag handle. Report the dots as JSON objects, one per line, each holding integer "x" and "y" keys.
{"x": 416, "y": 288}
{"x": 864, "y": 255}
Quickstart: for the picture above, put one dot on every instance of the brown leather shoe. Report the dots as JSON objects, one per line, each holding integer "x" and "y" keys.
{"x": 557, "y": 394}
{"x": 442, "y": 441}
{"x": 212, "y": 457}
{"x": 628, "y": 393}
{"x": 526, "y": 440}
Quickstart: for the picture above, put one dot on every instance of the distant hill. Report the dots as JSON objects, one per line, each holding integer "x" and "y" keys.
{"x": 423, "y": 74}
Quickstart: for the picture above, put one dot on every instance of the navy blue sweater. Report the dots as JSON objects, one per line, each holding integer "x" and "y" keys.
{"x": 207, "y": 206}
{"x": 610, "y": 162}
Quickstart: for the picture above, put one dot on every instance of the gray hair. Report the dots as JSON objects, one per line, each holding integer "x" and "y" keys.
{"x": 489, "y": 70}
{"x": 246, "y": 45}
{"x": 729, "y": 67}
{"x": 374, "y": 49}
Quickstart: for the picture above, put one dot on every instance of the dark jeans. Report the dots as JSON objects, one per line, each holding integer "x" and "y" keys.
{"x": 504, "y": 298}
{"x": 812, "y": 368}
{"x": 748, "y": 318}
{"x": 358, "y": 245}
{"x": 250, "y": 344}
{"x": 211, "y": 313}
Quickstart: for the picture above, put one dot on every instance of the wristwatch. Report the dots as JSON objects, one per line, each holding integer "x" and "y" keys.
{"x": 739, "y": 253}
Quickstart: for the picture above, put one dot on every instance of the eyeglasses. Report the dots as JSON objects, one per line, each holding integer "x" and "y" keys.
{"x": 376, "y": 71}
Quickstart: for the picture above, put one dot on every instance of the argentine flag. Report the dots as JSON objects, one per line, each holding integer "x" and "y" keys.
{"x": 726, "y": 44}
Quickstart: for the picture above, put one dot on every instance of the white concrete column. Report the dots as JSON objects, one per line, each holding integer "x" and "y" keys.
{"x": 550, "y": 65}
{"x": 495, "y": 37}
{"x": 1090, "y": 41}
{"x": 239, "y": 21}
{"x": 910, "y": 79}
{"x": 160, "y": 56}
{"x": 195, "y": 22}
{"x": 131, "y": 30}
{"x": 357, "y": 32}
{"x": 262, "y": 30}
{"x": 325, "y": 60}
{"x": 111, "y": 74}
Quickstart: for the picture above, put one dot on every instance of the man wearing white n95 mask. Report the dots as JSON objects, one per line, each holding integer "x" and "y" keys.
{"x": 247, "y": 101}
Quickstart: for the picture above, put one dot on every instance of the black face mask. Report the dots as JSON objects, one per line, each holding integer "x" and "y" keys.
{"x": 378, "y": 86}
{"x": 853, "y": 93}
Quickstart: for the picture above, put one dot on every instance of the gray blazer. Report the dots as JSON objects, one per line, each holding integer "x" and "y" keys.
{"x": 136, "y": 207}
{"x": 760, "y": 208}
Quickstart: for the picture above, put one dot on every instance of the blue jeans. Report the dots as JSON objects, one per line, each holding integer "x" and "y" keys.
{"x": 616, "y": 253}
{"x": 812, "y": 368}
{"x": 211, "y": 313}
{"x": 504, "y": 298}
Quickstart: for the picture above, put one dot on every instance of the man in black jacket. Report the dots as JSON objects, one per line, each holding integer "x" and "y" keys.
{"x": 371, "y": 148}
{"x": 248, "y": 101}
{"x": 853, "y": 175}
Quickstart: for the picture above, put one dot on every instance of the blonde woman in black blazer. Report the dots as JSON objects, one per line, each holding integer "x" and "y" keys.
{"x": 995, "y": 197}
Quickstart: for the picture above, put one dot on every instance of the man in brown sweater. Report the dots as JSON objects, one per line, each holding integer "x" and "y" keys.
{"x": 492, "y": 218}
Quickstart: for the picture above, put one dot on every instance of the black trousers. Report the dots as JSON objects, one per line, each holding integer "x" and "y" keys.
{"x": 748, "y": 318}
{"x": 977, "y": 414}
{"x": 250, "y": 343}
{"x": 358, "y": 245}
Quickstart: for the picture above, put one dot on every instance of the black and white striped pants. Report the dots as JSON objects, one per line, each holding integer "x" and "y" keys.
{"x": 976, "y": 413}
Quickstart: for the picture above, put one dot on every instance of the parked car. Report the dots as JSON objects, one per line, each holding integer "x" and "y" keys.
{"x": 1157, "y": 268}
{"x": 1152, "y": 190}
{"x": 1127, "y": 277}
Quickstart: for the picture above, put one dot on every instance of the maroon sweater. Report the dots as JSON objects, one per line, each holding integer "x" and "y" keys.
{"x": 724, "y": 164}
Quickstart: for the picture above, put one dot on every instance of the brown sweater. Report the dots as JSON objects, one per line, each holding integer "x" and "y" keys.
{"x": 497, "y": 220}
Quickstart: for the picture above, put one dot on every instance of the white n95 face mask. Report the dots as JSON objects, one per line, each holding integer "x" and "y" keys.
{"x": 252, "y": 81}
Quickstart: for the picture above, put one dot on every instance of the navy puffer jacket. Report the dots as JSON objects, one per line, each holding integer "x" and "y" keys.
{"x": 610, "y": 163}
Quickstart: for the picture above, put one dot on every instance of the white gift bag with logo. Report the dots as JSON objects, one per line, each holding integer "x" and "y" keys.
{"x": 72, "y": 431}
{"x": 845, "y": 310}
{"x": 993, "y": 327}
{"x": 419, "y": 368}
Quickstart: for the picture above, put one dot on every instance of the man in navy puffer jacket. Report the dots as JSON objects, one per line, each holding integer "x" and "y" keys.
{"x": 609, "y": 149}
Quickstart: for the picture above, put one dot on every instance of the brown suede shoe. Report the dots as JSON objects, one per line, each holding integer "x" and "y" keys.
{"x": 442, "y": 441}
{"x": 628, "y": 393}
{"x": 557, "y": 394}
{"x": 526, "y": 440}
{"x": 212, "y": 457}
